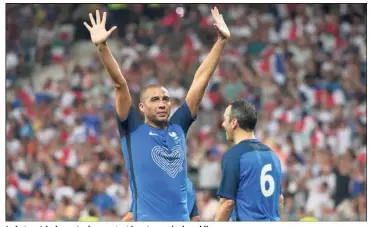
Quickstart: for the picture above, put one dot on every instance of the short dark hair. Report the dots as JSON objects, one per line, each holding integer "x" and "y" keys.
{"x": 324, "y": 185}
{"x": 92, "y": 212}
{"x": 245, "y": 113}
{"x": 144, "y": 90}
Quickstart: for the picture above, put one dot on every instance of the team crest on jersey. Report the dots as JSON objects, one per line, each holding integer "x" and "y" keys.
{"x": 173, "y": 134}
{"x": 175, "y": 137}
{"x": 171, "y": 162}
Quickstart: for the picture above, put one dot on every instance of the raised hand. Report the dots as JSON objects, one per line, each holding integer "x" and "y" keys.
{"x": 220, "y": 25}
{"x": 98, "y": 32}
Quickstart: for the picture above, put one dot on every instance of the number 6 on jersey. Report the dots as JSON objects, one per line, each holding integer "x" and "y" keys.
{"x": 265, "y": 177}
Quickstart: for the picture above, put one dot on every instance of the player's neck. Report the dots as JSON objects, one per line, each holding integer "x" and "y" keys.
{"x": 243, "y": 135}
{"x": 157, "y": 125}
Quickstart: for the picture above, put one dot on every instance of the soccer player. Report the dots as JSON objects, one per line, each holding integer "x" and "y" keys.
{"x": 250, "y": 188}
{"x": 155, "y": 150}
{"x": 191, "y": 204}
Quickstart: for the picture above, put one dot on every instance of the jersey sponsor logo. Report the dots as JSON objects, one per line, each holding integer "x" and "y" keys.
{"x": 152, "y": 134}
{"x": 171, "y": 162}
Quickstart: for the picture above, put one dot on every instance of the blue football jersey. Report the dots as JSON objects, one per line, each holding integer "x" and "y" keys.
{"x": 157, "y": 166}
{"x": 191, "y": 200}
{"x": 252, "y": 178}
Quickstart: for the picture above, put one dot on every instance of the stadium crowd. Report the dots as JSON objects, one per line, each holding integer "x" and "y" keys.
{"x": 302, "y": 65}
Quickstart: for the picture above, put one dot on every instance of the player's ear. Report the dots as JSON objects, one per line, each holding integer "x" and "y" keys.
{"x": 141, "y": 107}
{"x": 234, "y": 123}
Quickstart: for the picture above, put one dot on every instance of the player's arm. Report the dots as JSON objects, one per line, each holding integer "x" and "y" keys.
{"x": 224, "y": 210}
{"x": 208, "y": 66}
{"x": 228, "y": 187}
{"x": 99, "y": 36}
{"x": 281, "y": 205}
{"x": 128, "y": 217}
{"x": 196, "y": 218}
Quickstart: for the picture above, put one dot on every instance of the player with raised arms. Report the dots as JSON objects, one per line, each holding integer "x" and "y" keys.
{"x": 155, "y": 150}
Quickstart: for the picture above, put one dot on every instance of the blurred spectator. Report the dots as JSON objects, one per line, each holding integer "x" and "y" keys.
{"x": 91, "y": 216}
{"x": 100, "y": 198}
{"x": 208, "y": 206}
{"x": 209, "y": 172}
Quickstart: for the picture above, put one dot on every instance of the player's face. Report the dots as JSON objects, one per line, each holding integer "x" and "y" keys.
{"x": 228, "y": 124}
{"x": 156, "y": 105}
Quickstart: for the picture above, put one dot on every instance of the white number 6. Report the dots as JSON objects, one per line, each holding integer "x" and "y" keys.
{"x": 264, "y": 177}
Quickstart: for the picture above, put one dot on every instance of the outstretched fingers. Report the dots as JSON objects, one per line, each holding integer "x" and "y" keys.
{"x": 92, "y": 21}
{"x": 216, "y": 10}
{"x": 104, "y": 18}
{"x": 97, "y": 16}
{"x": 215, "y": 14}
{"x": 87, "y": 26}
{"x": 98, "y": 21}
{"x": 111, "y": 30}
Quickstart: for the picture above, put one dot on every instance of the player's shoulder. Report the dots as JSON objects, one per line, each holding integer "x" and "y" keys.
{"x": 131, "y": 124}
{"x": 233, "y": 153}
{"x": 252, "y": 145}
{"x": 181, "y": 113}
{"x": 257, "y": 149}
{"x": 248, "y": 148}
{"x": 133, "y": 116}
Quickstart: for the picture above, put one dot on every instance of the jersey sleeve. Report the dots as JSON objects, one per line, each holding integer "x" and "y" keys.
{"x": 183, "y": 117}
{"x": 230, "y": 175}
{"x": 132, "y": 122}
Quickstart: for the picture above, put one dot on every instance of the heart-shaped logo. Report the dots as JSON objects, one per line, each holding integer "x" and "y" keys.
{"x": 169, "y": 161}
